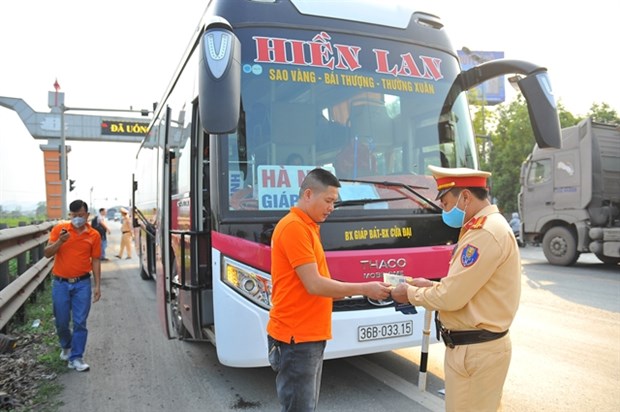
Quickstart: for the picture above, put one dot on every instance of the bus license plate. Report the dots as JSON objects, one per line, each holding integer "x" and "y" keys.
{"x": 385, "y": 330}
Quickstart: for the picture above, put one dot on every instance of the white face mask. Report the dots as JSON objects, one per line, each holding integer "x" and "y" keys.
{"x": 455, "y": 216}
{"x": 78, "y": 221}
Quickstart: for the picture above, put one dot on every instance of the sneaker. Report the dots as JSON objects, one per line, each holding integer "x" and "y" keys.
{"x": 78, "y": 364}
{"x": 127, "y": 258}
{"x": 65, "y": 353}
{"x": 104, "y": 259}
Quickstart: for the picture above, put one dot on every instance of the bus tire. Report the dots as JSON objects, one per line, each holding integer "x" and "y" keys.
{"x": 176, "y": 317}
{"x": 560, "y": 246}
{"x": 144, "y": 274}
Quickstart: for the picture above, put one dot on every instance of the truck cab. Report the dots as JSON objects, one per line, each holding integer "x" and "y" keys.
{"x": 570, "y": 197}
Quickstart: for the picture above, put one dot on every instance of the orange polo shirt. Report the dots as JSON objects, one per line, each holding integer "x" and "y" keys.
{"x": 296, "y": 314}
{"x": 73, "y": 258}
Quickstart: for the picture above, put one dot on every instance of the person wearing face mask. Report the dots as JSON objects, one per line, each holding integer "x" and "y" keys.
{"x": 478, "y": 299}
{"x": 76, "y": 248}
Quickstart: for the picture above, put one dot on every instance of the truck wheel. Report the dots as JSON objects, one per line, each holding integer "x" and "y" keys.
{"x": 560, "y": 246}
{"x": 608, "y": 260}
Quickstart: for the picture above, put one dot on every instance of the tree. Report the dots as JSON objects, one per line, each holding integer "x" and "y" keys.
{"x": 481, "y": 121}
{"x": 41, "y": 210}
{"x": 602, "y": 113}
{"x": 512, "y": 141}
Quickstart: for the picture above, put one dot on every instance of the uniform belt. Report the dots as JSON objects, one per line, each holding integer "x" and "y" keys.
{"x": 469, "y": 337}
{"x": 72, "y": 280}
{"x": 452, "y": 338}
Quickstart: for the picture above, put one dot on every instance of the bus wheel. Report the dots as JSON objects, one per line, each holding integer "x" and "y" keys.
{"x": 144, "y": 274}
{"x": 175, "y": 309}
{"x": 560, "y": 246}
{"x": 177, "y": 319}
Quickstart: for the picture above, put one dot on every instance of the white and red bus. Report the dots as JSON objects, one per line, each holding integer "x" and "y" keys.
{"x": 266, "y": 91}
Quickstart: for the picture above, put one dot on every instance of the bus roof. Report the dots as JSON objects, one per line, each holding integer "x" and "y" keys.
{"x": 386, "y": 13}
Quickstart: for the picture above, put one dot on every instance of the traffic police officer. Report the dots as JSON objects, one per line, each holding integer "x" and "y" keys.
{"x": 478, "y": 299}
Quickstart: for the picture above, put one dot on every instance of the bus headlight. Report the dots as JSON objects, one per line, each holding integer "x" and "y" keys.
{"x": 249, "y": 282}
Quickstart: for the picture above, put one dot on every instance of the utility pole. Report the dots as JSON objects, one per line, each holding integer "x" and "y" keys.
{"x": 63, "y": 164}
{"x": 59, "y": 104}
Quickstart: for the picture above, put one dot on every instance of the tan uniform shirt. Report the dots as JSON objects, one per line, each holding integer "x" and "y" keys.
{"x": 126, "y": 225}
{"x": 483, "y": 285}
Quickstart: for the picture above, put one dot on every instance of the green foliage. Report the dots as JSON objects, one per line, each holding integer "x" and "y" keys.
{"x": 512, "y": 141}
{"x": 15, "y": 218}
{"x": 602, "y": 113}
{"x": 567, "y": 119}
{"x": 41, "y": 210}
{"x": 41, "y": 309}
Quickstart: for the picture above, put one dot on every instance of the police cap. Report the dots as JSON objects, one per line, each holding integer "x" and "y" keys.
{"x": 449, "y": 178}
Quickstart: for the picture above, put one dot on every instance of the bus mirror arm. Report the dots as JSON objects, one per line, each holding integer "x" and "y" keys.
{"x": 534, "y": 85}
{"x": 149, "y": 227}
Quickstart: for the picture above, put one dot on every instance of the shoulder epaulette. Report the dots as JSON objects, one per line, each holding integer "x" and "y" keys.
{"x": 476, "y": 223}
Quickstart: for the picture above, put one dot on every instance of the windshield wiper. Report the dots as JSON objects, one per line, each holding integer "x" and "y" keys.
{"x": 361, "y": 202}
{"x": 409, "y": 188}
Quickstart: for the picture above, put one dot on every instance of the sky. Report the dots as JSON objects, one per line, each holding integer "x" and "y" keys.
{"x": 121, "y": 54}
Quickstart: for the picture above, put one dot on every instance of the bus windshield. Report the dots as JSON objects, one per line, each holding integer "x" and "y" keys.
{"x": 367, "y": 109}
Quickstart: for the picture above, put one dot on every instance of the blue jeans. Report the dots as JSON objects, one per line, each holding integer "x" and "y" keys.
{"x": 298, "y": 381}
{"x": 72, "y": 301}
{"x": 104, "y": 244}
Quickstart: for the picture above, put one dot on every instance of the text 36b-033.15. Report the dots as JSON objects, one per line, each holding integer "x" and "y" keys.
{"x": 385, "y": 330}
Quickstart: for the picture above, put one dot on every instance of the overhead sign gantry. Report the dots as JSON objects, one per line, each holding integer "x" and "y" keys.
{"x": 58, "y": 126}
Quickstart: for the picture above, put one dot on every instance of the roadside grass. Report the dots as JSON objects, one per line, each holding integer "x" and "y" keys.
{"x": 21, "y": 220}
{"x": 46, "y": 351}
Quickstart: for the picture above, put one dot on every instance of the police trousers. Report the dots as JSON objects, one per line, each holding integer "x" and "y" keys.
{"x": 475, "y": 375}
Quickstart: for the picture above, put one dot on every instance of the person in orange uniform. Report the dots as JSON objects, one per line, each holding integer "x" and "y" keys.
{"x": 76, "y": 248}
{"x": 303, "y": 293}
{"x": 478, "y": 299}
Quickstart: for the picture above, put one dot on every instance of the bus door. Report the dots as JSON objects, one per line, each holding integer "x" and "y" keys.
{"x": 164, "y": 283}
{"x": 189, "y": 249}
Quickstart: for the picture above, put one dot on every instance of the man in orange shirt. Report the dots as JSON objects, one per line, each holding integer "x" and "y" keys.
{"x": 77, "y": 249}
{"x": 303, "y": 291}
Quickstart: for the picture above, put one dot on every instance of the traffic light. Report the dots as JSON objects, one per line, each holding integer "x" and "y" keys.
{"x": 71, "y": 184}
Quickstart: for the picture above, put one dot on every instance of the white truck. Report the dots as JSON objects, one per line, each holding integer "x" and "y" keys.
{"x": 570, "y": 197}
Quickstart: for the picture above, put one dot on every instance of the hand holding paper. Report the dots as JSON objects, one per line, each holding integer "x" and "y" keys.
{"x": 395, "y": 280}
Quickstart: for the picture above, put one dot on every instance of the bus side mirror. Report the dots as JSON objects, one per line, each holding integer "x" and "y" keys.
{"x": 541, "y": 106}
{"x": 219, "y": 78}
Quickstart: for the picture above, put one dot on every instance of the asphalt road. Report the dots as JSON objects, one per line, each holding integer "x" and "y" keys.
{"x": 566, "y": 337}
{"x": 566, "y": 357}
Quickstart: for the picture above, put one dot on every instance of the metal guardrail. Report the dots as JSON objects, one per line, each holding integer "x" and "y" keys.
{"x": 16, "y": 243}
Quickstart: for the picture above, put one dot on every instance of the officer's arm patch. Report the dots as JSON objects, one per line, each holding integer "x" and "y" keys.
{"x": 469, "y": 256}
